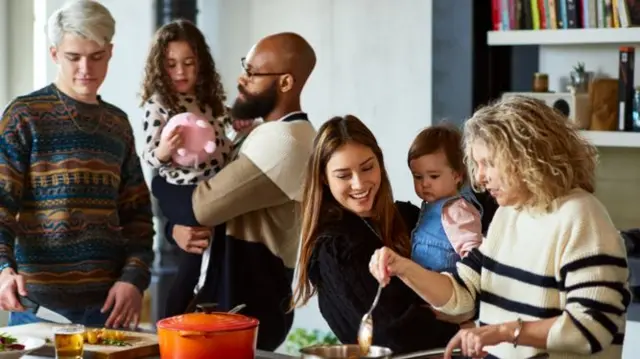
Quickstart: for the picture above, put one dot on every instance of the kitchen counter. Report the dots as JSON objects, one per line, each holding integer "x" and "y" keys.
{"x": 268, "y": 355}
{"x": 631, "y": 348}
{"x": 259, "y": 355}
{"x": 143, "y": 339}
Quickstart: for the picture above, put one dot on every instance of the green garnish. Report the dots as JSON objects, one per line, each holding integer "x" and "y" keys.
{"x": 118, "y": 343}
{"x": 6, "y": 340}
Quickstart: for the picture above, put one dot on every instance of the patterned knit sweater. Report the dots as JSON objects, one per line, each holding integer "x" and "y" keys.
{"x": 75, "y": 213}
{"x": 569, "y": 264}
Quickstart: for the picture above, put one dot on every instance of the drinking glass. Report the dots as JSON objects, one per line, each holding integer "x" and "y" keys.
{"x": 69, "y": 341}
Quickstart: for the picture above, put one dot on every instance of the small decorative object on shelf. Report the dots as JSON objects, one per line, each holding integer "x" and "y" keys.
{"x": 540, "y": 82}
{"x": 580, "y": 78}
{"x": 636, "y": 110}
{"x": 575, "y": 106}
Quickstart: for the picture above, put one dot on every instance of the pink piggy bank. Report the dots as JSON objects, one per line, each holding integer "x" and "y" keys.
{"x": 198, "y": 139}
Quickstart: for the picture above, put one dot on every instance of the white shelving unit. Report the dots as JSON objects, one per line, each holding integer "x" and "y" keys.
{"x": 556, "y": 39}
{"x": 613, "y": 138}
{"x": 564, "y": 37}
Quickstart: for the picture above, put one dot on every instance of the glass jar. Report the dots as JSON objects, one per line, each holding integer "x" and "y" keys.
{"x": 540, "y": 82}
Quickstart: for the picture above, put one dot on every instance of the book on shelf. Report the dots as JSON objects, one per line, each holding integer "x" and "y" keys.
{"x": 626, "y": 91}
{"x": 564, "y": 14}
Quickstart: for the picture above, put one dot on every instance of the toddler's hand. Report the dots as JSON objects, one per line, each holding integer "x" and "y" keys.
{"x": 169, "y": 144}
{"x": 242, "y": 126}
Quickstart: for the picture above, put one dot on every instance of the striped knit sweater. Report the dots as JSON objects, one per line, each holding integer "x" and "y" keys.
{"x": 570, "y": 264}
{"x": 75, "y": 212}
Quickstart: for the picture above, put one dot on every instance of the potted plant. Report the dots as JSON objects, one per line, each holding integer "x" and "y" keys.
{"x": 301, "y": 338}
{"x": 580, "y": 78}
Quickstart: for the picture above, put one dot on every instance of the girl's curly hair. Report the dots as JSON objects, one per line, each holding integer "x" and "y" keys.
{"x": 208, "y": 88}
{"x": 535, "y": 147}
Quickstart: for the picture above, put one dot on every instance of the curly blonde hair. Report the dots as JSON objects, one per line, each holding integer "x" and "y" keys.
{"x": 535, "y": 148}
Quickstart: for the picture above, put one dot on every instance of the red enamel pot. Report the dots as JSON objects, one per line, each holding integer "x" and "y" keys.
{"x": 208, "y": 335}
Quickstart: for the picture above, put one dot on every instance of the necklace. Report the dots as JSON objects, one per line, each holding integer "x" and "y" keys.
{"x": 371, "y": 228}
{"x": 70, "y": 114}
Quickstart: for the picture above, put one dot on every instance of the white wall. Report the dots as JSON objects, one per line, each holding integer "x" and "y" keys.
{"x": 4, "y": 56}
{"x": 20, "y": 54}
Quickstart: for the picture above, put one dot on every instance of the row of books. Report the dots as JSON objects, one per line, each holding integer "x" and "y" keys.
{"x": 564, "y": 14}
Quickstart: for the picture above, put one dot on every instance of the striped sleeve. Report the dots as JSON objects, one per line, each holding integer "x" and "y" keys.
{"x": 466, "y": 284}
{"x": 136, "y": 219}
{"x": 594, "y": 274}
{"x": 14, "y": 156}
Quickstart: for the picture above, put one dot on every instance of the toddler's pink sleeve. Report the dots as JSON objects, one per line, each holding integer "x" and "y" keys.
{"x": 463, "y": 226}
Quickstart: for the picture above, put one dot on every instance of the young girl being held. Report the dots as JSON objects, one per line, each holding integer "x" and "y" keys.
{"x": 181, "y": 76}
{"x": 449, "y": 224}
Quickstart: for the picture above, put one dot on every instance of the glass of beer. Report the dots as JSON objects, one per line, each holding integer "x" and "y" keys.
{"x": 69, "y": 341}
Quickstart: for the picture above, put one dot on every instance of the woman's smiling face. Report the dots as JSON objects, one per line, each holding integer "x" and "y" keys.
{"x": 353, "y": 176}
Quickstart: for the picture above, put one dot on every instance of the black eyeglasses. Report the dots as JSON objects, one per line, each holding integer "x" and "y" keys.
{"x": 251, "y": 73}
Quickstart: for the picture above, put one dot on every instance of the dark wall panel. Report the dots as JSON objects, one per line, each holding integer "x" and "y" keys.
{"x": 468, "y": 73}
{"x": 169, "y": 10}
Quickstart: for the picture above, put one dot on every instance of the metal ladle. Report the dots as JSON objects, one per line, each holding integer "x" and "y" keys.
{"x": 209, "y": 308}
{"x": 365, "y": 332}
{"x": 237, "y": 308}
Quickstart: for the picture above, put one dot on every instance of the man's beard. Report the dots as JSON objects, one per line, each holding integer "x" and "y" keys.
{"x": 255, "y": 106}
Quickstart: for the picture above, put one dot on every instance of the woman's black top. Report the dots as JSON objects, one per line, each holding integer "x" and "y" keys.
{"x": 339, "y": 269}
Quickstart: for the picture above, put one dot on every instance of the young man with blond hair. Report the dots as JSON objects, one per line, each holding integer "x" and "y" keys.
{"x": 76, "y": 229}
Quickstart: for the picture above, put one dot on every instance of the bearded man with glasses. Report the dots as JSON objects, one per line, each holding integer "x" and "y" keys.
{"x": 254, "y": 203}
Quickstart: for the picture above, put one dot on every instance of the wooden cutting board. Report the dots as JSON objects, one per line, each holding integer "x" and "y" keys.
{"x": 142, "y": 344}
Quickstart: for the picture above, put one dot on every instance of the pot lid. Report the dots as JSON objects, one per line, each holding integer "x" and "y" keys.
{"x": 208, "y": 322}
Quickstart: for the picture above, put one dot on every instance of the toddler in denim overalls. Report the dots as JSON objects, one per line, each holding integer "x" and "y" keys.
{"x": 449, "y": 225}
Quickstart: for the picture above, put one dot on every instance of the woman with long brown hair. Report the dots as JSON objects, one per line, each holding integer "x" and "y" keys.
{"x": 348, "y": 213}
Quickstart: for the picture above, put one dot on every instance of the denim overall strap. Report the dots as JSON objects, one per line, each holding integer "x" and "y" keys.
{"x": 467, "y": 193}
{"x": 430, "y": 246}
